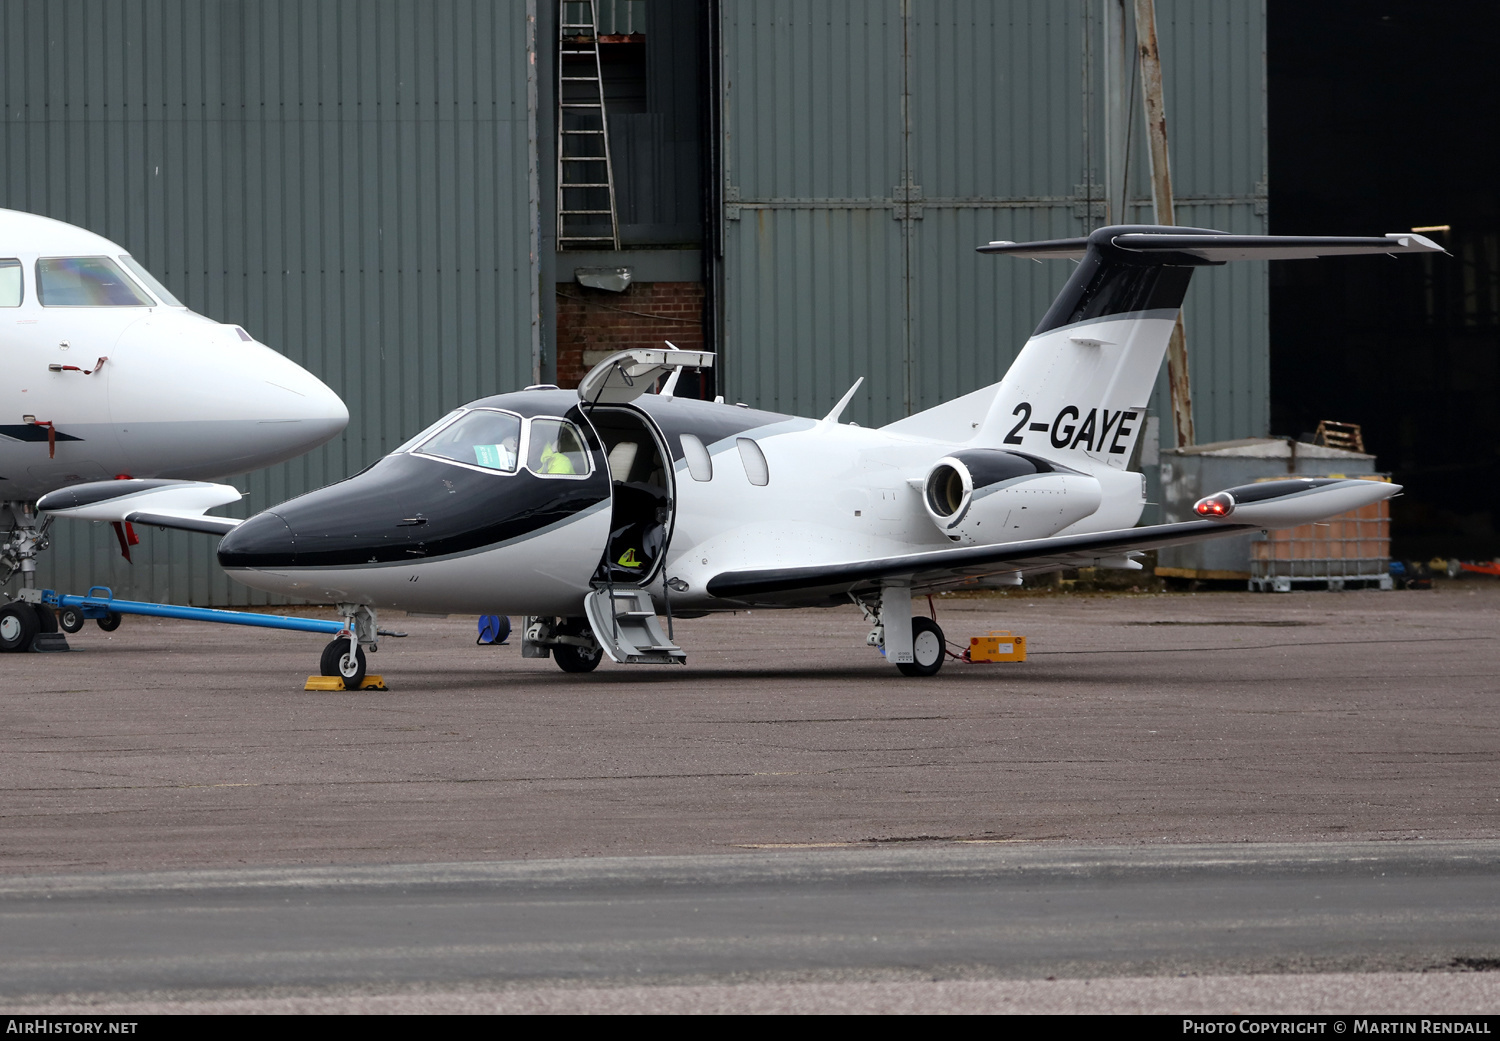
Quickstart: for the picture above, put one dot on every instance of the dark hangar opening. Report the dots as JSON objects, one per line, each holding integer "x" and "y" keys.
{"x": 1383, "y": 117}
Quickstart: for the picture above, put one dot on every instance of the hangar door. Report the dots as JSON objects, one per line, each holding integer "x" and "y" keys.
{"x": 867, "y": 147}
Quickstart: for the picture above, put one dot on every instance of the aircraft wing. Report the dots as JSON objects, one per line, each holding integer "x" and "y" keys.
{"x": 948, "y": 568}
{"x": 1282, "y": 503}
{"x": 165, "y": 504}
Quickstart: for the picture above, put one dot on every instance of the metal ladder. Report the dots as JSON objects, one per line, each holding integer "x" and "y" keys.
{"x": 582, "y": 134}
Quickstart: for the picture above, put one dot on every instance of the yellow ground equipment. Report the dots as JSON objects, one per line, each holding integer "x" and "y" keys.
{"x": 999, "y": 645}
{"x": 337, "y": 683}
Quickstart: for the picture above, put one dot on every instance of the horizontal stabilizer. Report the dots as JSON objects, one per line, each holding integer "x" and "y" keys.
{"x": 1199, "y": 245}
{"x": 165, "y": 504}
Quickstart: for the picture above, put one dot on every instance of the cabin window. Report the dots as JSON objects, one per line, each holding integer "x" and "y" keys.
{"x": 86, "y": 282}
{"x": 555, "y": 449}
{"x": 10, "y": 283}
{"x": 481, "y": 438}
{"x": 700, "y": 463}
{"x": 148, "y": 280}
{"x": 755, "y": 462}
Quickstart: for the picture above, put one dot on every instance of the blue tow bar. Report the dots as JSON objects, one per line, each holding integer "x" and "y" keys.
{"x": 93, "y": 606}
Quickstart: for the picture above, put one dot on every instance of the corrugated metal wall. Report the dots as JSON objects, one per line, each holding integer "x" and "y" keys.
{"x": 345, "y": 178}
{"x": 348, "y": 180}
{"x": 870, "y": 146}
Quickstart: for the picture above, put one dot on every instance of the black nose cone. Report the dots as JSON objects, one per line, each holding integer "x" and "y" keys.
{"x": 263, "y": 541}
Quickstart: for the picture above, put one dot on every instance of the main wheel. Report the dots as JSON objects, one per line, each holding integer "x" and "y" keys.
{"x": 336, "y": 661}
{"x": 71, "y": 619}
{"x": 928, "y": 649}
{"x": 110, "y": 622}
{"x": 18, "y": 626}
{"x": 46, "y": 619}
{"x": 576, "y": 659}
{"x": 572, "y": 658}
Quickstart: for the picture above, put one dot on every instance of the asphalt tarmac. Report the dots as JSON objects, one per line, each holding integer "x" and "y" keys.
{"x": 883, "y": 919}
{"x": 1139, "y": 721}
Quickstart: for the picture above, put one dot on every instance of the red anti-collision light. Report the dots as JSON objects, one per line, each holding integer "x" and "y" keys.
{"x": 1220, "y": 505}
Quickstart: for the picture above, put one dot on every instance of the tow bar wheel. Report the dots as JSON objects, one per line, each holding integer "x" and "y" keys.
{"x": 71, "y": 619}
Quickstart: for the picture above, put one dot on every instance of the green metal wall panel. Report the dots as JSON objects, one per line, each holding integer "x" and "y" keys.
{"x": 1000, "y": 136}
{"x": 345, "y": 178}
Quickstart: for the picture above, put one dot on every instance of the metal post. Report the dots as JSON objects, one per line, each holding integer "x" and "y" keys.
{"x": 904, "y": 208}
{"x": 534, "y": 193}
{"x": 1161, "y": 197}
{"x": 1119, "y": 75}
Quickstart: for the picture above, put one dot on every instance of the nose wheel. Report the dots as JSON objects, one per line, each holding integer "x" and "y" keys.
{"x": 337, "y": 661}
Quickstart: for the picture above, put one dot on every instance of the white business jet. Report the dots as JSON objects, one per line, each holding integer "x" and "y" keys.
{"x": 105, "y": 374}
{"x": 595, "y": 512}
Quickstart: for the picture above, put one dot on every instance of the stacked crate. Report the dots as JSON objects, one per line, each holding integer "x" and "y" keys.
{"x": 1354, "y": 547}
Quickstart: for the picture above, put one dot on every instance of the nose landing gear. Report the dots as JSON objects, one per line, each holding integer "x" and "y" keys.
{"x": 338, "y": 660}
{"x": 344, "y": 656}
{"x": 26, "y": 623}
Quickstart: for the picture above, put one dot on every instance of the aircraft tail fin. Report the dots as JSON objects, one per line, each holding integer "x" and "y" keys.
{"x": 1077, "y": 392}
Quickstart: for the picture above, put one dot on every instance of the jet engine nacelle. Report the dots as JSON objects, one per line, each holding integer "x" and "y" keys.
{"x": 1293, "y": 502}
{"x": 988, "y": 495}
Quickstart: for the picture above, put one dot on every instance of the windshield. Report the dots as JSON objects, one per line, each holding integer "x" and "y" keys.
{"x": 86, "y": 282}
{"x": 149, "y": 281}
{"x": 481, "y": 438}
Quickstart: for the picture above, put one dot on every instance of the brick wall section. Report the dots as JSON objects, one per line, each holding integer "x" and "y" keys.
{"x": 595, "y": 323}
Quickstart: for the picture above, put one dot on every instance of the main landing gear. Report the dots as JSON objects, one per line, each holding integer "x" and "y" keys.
{"x": 25, "y": 623}
{"x": 568, "y": 641}
{"x": 916, "y": 646}
{"x": 928, "y": 649}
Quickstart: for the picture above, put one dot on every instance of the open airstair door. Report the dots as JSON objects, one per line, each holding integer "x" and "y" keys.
{"x": 642, "y": 502}
{"x": 642, "y": 495}
{"x": 625, "y": 624}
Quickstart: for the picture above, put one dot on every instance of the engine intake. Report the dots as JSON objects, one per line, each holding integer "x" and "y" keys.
{"x": 987, "y": 495}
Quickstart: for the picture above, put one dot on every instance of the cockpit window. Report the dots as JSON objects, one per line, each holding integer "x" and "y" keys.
{"x": 426, "y": 432}
{"x": 10, "y": 283}
{"x": 86, "y": 282}
{"x": 555, "y": 449}
{"x": 148, "y": 280}
{"x": 481, "y": 438}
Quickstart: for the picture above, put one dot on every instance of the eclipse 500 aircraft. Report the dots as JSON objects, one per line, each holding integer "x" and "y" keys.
{"x": 105, "y": 373}
{"x": 594, "y": 512}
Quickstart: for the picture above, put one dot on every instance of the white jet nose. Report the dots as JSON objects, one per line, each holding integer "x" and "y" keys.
{"x": 291, "y": 410}
{"x": 195, "y": 399}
